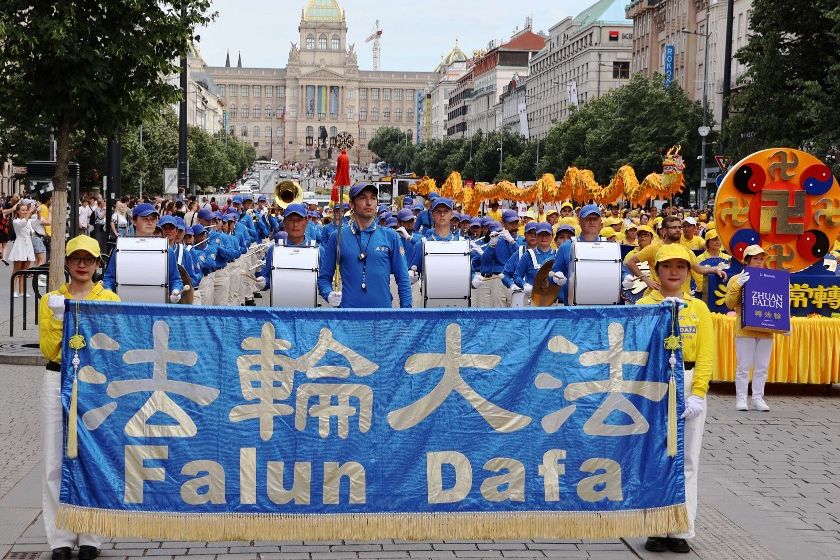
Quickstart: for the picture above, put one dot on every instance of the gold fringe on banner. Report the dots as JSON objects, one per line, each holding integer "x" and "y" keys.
{"x": 372, "y": 526}
{"x": 672, "y": 417}
{"x": 72, "y": 422}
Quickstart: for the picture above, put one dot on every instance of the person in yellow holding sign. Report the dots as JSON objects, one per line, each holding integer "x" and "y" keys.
{"x": 673, "y": 262}
{"x": 81, "y": 261}
{"x": 753, "y": 349}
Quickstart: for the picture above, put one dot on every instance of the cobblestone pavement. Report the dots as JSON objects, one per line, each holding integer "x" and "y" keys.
{"x": 769, "y": 489}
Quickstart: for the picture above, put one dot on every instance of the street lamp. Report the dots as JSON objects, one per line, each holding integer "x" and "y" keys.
{"x": 704, "y": 129}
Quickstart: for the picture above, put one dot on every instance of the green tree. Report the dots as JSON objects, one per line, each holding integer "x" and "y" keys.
{"x": 791, "y": 89}
{"x": 97, "y": 66}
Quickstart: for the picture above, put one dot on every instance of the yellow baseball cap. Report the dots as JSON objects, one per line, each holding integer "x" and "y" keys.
{"x": 567, "y": 204}
{"x": 607, "y": 232}
{"x": 657, "y": 220}
{"x": 551, "y": 211}
{"x": 754, "y": 250}
{"x": 530, "y": 214}
{"x": 646, "y": 228}
{"x": 672, "y": 251}
{"x": 710, "y": 234}
{"x": 82, "y": 243}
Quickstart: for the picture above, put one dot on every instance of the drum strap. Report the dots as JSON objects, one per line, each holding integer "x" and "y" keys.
{"x": 180, "y": 253}
{"x": 534, "y": 259}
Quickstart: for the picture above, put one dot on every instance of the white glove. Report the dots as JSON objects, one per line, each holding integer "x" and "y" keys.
{"x": 527, "y": 288}
{"x": 403, "y": 232}
{"x": 56, "y": 303}
{"x": 628, "y": 282}
{"x": 494, "y": 239}
{"x": 260, "y": 283}
{"x": 507, "y": 236}
{"x": 694, "y": 406}
{"x": 674, "y": 300}
{"x": 476, "y": 247}
{"x": 174, "y": 296}
{"x": 558, "y": 278}
{"x": 477, "y": 281}
{"x": 334, "y": 299}
{"x": 743, "y": 278}
{"x": 413, "y": 275}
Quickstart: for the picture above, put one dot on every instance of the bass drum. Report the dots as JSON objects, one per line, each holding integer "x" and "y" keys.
{"x": 142, "y": 269}
{"x": 446, "y": 273}
{"x": 595, "y": 275}
{"x": 294, "y": 276}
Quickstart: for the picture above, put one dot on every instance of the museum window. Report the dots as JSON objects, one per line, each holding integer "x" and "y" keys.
{"x": 269, "y": 91}
{"x": 409, "y": 115}
{"x": 374, "y": 114}
{"x": 386, "y": 114}
{"x": 257, "y": 91}
{"x": 409, "y": 94}
{"x": 222, "y": 89}
{"x": 336, "y": 44}
{"x": 234, "y": 90}
{"x": 310, "y": 135}
{"x": 333, "y": 132}
{"x": 363, "y": 94}
{"x": 386, "y": 94}
{"x": 268, "y": 111}
{"x": 350, "y": 113}
{"x": 244, "y": 111}
{"x": 256, "y": 133}
{"x": 257, "y": 111}
{"x": 362, "y": 114}
{"x": 398, "y": 94}
{"x": 362, "y": 134}
{"x": 398, "y": 114}
{"x": 281, "y": 91}
{"x": 350, "y": 95}
{"x": 310, "y": 42}
{"x": 322, "y": 41}
{"x": 232, "y": 112}
{"x": 374, "y": 94}
{"x": 245, "y": 91}
{"x": 244, "y": 130}
{"x": 268, "y": 132}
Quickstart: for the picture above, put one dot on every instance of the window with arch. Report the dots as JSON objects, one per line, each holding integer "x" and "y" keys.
{"x": 374, "y": 114}
{"x": 386, "y": 114}
{"x": 310, "y": 41}
{"x": 362, "y": 134}
{"x": 244, "y": 131}
{"x": 257, "y": 111}
{"x": 268, "y": 111}
{"x": 256, "y": 132}
{"x": 409, "y": 115}
{"x": 362, "y": 114}
{"x": 268, "y": 132}
{"x": 336, "y": 44}
{"x": 322, "y": 41}
{"x": 232, "y": 110}
{"x": 398, "y": 113}
{"x": 244, "y": 111}
{"x": 310, "y": 135}
{"x": 333, "y": 131}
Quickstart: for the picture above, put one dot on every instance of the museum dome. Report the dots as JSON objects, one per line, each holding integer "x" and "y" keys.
{"x": 323, "y": 11}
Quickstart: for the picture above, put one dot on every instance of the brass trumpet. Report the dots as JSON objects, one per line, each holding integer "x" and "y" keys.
{"x": 287, "y": 192}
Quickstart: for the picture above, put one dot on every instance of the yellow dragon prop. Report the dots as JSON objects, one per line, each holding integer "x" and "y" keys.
{"x": 577, "y": 184}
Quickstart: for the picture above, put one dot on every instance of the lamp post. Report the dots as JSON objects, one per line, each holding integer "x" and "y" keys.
{"x": 704, "y": 129}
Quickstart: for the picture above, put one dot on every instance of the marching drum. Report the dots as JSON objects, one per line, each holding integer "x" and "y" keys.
{"x": 595, "y": 273}
{"x": 294, "y": 276}
{"x": 142, "y": 269}
{"x": 446, "y": 273}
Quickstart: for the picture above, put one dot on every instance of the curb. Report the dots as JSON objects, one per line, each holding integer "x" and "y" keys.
{"x": 22, "y": 360}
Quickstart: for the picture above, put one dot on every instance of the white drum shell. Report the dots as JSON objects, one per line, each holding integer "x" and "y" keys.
{"x": 294, "y": 276}
{"x": 446, "y": 273}
{"x": 595, "y": 273}
{"x": 142, "y": 269}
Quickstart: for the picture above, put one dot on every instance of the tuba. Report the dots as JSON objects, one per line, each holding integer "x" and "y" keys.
{"x": 287, "y": 192}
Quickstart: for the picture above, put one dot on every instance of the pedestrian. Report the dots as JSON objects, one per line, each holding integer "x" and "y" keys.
{"x": 45, "y": 216}
{"x": 7, "y": 211}
{"x": 119, "y": 221}
{"x": 21, "y": 254}
{"x": 752, "y": 348}
{"x": 99, "y": 221}
{"x": 673, "y": 262}
{"x": 82, "y": 258}
{"x": 85, "y": 215}
{"x": 369, "y": 256}
{"x": 38, "y": 246}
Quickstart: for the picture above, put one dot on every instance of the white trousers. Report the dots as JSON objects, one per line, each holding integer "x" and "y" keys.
{"x": 753, "y": 354}
{"x": 491, "y": 293}
{"x": 221, "y": 286}
{"x": 693, "y": 444}
{"x": 235, "y": 283}
{"x": 52, "y": 434}
{"x": 205, "y": 288}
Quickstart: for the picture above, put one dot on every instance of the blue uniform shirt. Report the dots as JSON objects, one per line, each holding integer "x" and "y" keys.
{"x": 509, "y": 270}
{"x": 494, "y": 258}
{"x": 424, "y": 221}
{"x": 526, "y": 271}
{"x": 384, "y": 256}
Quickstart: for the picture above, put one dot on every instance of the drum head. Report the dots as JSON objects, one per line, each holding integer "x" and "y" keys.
{"x": 545, "y": 291}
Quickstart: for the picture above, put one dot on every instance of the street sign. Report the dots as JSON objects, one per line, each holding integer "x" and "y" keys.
{"x": 723, "y": 162}
{"x": 170, "y": 180}
{"x": 669, "y": 64}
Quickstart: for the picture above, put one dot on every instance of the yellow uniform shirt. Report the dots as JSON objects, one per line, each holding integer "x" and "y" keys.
{"x": 697, "y": 335}
{"x": 495, "y": 214}
{"x": 696, "y": 243}
{"x": 51, "y": 328}
{"x": 733, "y": 301}
{"x": 44, "y": 214}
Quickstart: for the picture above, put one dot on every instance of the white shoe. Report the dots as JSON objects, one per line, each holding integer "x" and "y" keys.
{"x": 17, "y": 295}
{"x": 759, "y": 404}
{"x": 741, "y": 404}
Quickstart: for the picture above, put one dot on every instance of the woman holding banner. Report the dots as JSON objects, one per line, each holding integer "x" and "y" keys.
{"x": 672, "y": 265}
{"x": 82, "y": 259}
{"x": 752, "y": 348}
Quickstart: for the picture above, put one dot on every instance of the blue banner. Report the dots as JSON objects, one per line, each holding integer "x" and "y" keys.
{"x": 248, "y": 423}
{"x": 669, "y": 64}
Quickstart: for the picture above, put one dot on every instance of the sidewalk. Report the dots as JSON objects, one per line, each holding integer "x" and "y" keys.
{"x": 769, "y": 489}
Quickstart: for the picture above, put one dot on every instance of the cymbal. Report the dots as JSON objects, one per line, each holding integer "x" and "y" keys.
{"x": 545, "y": 291}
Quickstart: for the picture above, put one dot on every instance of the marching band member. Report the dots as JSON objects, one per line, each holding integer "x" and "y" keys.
{"x": 487, "y": 281}
{"x": 145, "y": 219}
{"x": 294, "y": 225}
{"x": 369, "y": 256}
{"x": 753, "y": 349}
{"x": 441, "y": 209}
{"x": 591, "y": 221}
{"x": 82, "y": 257}
{"x": 424, "y": 218}
{"x": 562, "y": 233}
{"x": 673, "y": 234}
{"x": 533, "y": 259}
{"x": 200, "y": 251}
{"x": 511, "y": 265}
{"x": 672, "y": 265}
{"x": 174, "y": 229}
{"x": 410, "y": 239}
{"x": 464, "y": 225}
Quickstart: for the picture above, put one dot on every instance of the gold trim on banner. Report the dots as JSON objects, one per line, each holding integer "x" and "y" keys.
{"x": 408, "y": 526}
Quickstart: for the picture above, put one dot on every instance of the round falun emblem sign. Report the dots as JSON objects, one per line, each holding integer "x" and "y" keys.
{"x": 785, "y": 200}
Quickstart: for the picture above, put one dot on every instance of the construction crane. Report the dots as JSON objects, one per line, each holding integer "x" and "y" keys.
{"x": 377, "y": 50}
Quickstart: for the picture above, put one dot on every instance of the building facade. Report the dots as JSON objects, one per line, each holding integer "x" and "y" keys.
{"x": 511, "y": 111}
{"x": 287, "y": 112}
{"x": 451, "y": 67}
{"x": 583, "y": 58}
{"x": 457, "y": 105}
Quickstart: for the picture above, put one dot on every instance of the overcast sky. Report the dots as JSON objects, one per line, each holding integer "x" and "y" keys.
{"x": 415, "y": 34}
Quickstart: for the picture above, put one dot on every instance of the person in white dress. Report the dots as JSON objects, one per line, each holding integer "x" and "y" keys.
{"x": 22, "y": 254}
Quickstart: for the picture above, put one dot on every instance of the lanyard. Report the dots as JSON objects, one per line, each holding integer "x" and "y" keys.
{"x": 363, "y": 254}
